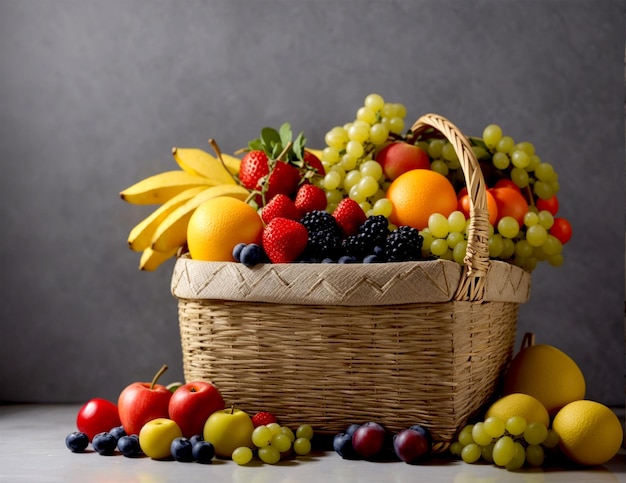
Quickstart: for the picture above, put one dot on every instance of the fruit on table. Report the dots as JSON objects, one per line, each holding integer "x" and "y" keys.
{"x": 547, "y": 374}
{"x": 156, "y": 436}
{"x": 368, "y": 440}
{"x": 589, "y": 432}
{"x": 104, "y": 443}
{"x": 97, "y": 415}
{"x": 181, "y": 450}
{"x": 519, "y": 404}
{"x": 202, "y": 451}
{"x": 77, "y": 442}
{"x": 141, "y": 402}
{"x": 218, "y": 225}
{"x": 411, "y": 445}
{"x": 399, "y": 157}
{"x": 227, "y": 430}
{"x": 129, "y": 446}
{"x": 192, "y": 404}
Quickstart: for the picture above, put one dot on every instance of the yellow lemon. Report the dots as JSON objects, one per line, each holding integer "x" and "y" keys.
{"x": 519, "y": 405}
{"x": 217, "y": 225}
{"x": 590, "y": 433}
{"x": 547, "y": 374}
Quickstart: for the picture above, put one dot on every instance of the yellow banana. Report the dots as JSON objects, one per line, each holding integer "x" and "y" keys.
{"x": 232, "y": 163}
{"x": 141, "y": 235}
{"x": 317, "y": 152}
{"x": 159, "y": 188}
{"x": 201, "y": 163}
{"x": 151, "y": 259}
{"x": 172, "y": 232}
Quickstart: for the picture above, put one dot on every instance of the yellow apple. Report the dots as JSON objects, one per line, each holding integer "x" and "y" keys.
{"x": 157, "y": 435}
{"x": 227, "y": 430}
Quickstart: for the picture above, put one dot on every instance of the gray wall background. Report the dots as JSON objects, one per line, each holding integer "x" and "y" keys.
{"x": 95, "y": 93}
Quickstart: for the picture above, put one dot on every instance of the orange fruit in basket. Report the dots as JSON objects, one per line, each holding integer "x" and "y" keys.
{"x": 492, "y": 207}
{"x": 417, "y": 194}
{"x": 217, "y": 225}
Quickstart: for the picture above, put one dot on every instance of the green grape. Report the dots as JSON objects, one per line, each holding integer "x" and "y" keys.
{"x": 333, "y": 197}
{"x": 261, "y": 436}
{"x": 242, "y": 455}
{"x": 545, "y": 172}
{"x": 457, "y": 222}
{"x": 525, "y": 146}
{"x": 543, "y": 190}
{"x": 520, "y": 177}
{"x": 505, "y": 145}
{"x": 531, "y": 218}
{"x": 471, "y": 453}
{"x": 281, "y": 442}
{"x": 456, "y": 448}
{"x": 435, "y": 147}
{"x": 396, "y": 125}
{"x": 535, "y": 455}
{"x": 552, "y": 246}
{"x": 367, "y": 186}
{"x": 302, "y": 446}
{"x": 439, "y": 247}
{"x": 371, "y": 168}
{"x": 555, "y": 260}
{"x": 495, "y": 245}
{"x": 546, "y": 219}
{"x": 400, "y": 110}
{"x": 382, "y": 207}
{"x": 534, "y": 162}
{"x": 536, "y": 235}
{"x": 527, "y": 263}
{"x": 354, "y": 149}
{"x": 269, "y": 455}
{"x": 289, "y": 433}
{"x": 539, "y": 254}
{"x": 508, "y": 227}
{"x": 366, "y": 114}
{"x": 304, "y": 431}
{"x": 555, "y": 186}
{"x": 515, "y": 425}
{"x": 423, "y": 145}
{"x": 458, "y": 253}
{"x": 366, "y": 206}
{"x": 494, "y": 426}
{"x": 351, "y": 179}
{"x": 480, "y": 435}
{"x": 500, "y": 160}
{"x": 374, "y": 101}
{"x": 359, "y": 133}
{"x": 379, "y": 134}
{"x": 508, "y": 248}
{"x": 535, "y": 433}
{"x": 440, "y": 166}
{"x": 454, "y": 238}
{"x": 519, "y": 457}
{"x": 519, "y": 159}
{"x": 479, "y": 152}
{"x": 332, "y": 180}
{"x": 447, "y": 255}
{"x": 388, "y": 110}
{"x": 438, "y": 225}
{"x": 552, "y": 440}
{"x": 492, "y": 135}
{"x": 448, "y": 153}
{"x": 427, "y": 239}
{"x": 487, "y": 452}
{"x": 356, "y": 194}
{"x": 465, "y": 435}
{"x": 330, "y": 155}
{"x": 348, "y": 162}
{"x": 503, "y": 451}
{"x": 337, "y": 137}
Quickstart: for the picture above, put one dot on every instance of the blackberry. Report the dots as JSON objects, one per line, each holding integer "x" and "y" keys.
{"x": 372, "y": 233}
{"x": 324, "y": 235}
{"x": 404, "y": 244}
{"x": 317, "y": 220}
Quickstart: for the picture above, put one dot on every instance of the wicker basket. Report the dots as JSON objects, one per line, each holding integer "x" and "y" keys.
{"x": 328, "y": 344}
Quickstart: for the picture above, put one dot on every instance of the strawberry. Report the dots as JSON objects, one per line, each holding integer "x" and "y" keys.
{"x": 349, "y": 216}
{"x": 263, "y": 418}
{"x": 310, "y": 197}
{"x": 253, "y": 167}
{"x": 280, "y": 206}
{"x": 284, "y": 240}
{"x": 254, "y": 174}
{"x": 314, "y": 162}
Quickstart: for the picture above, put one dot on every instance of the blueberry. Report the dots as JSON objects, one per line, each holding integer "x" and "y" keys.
{"x": 203, "y": 452}
{"x": 118, "y": 432}
{"x": 347, "y": 259}
{"x": 372, "y": 259}
{"x": 195, "y": 438}
{"x": 104, "y": 443}
{"x": 251, "y": 255}
{"x": 237, "y": 251}
{"x": 352, "y": 428}
{"x": 181, "y": 450}
{"x": 76, "y": 442}
{"x": 129, "y": 445}
{"x": 342, "y": 444}
{"x": 328, "y": 260}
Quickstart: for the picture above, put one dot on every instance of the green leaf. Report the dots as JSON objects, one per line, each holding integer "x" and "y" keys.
{"x": 298, "y": 146}
{"x": 285, "y": 134}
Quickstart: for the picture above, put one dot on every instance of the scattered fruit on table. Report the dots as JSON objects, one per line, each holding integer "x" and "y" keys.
{"x": 411, "y": 445}
{"x": 263, "y": 418}
{"x": 272, "y": 442}
{"x": 77, "y": 441}
{"x": 156, "y": 437}
{"x": 141, "y": 402}
{"x": 192, "y": 404}
{"x": 227, "y": 430}
{"x": 104, "y": 443}
{"x": 519, "y": 404}
{"x": 97, "y": 415}
{"x": 129, "y": 446}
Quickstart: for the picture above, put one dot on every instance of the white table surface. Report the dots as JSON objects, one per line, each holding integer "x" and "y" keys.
{"x": 32, "y": 449}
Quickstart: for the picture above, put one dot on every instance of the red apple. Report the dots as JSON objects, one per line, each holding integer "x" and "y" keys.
{"x": 97, "y": 415}
{"x": 192, "y": 404}
{"x": 399, "y": 157}
{"x": 141, "y": 402}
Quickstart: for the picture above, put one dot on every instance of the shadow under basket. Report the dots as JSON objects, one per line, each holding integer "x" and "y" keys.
{"x": 424, "y": 342}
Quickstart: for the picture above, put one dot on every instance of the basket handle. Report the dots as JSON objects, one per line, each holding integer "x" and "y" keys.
{"x": 476, "y": 261}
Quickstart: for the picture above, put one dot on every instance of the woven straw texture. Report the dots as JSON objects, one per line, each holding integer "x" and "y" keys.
{"x": 398, "y": 343}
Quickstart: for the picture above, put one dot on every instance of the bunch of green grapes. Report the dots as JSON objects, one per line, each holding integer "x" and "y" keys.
{"x": 273, "y": 442}
{"x": 348, "y": 158}
{"x": 510, "y": 444}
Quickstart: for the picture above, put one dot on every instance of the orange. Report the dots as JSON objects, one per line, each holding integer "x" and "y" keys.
{"x": 510, "y": 203}
{"x": 218, "y": 224}
{"x": 547, "y": 374}
{"x": 519, "y": 405}
{"x": 417, "y": 194}
{"x": 589, "y": 432}
{"x": 492, "y": 207}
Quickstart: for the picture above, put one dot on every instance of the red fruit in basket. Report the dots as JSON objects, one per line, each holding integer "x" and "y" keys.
{"x": 349, "y": 216}
{"x": 562, "y": 230}
{"x": 254, "y": 174}
{"x": 399, "y": 157}
{"x": 369, "y": 440}
{"x": 141, "y": 402}
{"x": 192, "y": 404}
{"x": 551, "y": 204}
{"x": 314, "y": 162}
{"x": 263, "y": 418}
{"x": 96, "y": 416}
{"x": 510, "y": 203}
{"x": 310, "y": 197}
{"x": 284, "y": 240}
{"x": 280, "y": 206}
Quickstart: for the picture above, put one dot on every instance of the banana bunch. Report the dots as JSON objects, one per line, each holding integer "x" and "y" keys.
{"x": 179, "y": 192}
